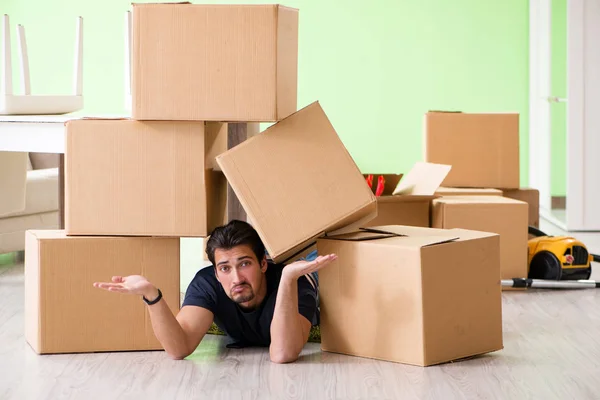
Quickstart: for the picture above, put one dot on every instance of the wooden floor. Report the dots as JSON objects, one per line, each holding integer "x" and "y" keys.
{"x": 552, "y": 351}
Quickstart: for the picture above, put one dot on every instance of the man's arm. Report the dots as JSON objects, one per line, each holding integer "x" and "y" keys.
{"x": 179, "y": 335}
{"x": 289, "y": 328}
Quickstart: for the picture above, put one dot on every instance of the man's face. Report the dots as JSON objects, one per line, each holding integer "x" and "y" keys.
{"x": 241, "y": 275}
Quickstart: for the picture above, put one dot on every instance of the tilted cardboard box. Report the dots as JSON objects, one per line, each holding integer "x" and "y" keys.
{"x": 64, "y": 313}
{"x": 213, "y": 62}
{"x": 411, "y": 295}
{"x": 297, "y": 181}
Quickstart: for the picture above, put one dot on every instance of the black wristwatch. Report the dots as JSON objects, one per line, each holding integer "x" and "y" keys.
{"x": 156, "y": 300}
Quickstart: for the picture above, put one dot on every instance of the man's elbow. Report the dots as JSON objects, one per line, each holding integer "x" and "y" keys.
{"x": 283, "y": 357}
{"x": 178, "y": 354}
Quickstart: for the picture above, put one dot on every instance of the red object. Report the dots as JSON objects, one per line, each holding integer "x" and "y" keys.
{"x": 370, "y": 181}
{"x": 380, "y": 185}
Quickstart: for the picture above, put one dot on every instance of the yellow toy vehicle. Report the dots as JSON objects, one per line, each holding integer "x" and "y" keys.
{"x": 558, "y": 258}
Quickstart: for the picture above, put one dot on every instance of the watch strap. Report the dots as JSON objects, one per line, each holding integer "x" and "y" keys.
{"x": 156, "y": 300}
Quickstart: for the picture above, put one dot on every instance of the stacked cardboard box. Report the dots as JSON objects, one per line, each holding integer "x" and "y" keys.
{"x": 482, "y": 190}
{"x": 133, "y": 187}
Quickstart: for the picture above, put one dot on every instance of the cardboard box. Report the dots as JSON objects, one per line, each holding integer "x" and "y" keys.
{"x": 406, "y": 200}
{"x": 483, "y": 149}
{"x": 214, "y": 62}
{"x": 531, "y": 197}
{"x": 126, "y": 177}
{"x": 297, "y": 181}
{"x": 411, "y": 295}
{"x": 402, "y": 210}
{"x": 449, "y": 191}
{"x": 496, "y": 214}
{"x": 64, "y": 313}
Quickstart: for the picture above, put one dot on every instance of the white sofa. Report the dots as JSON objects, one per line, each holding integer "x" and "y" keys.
{"x": 41, "y": 203}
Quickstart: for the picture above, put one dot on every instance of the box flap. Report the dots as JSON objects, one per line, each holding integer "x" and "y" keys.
{"x": 425, "y": 236}
{"x": 409, "y": 236}
{"x": 361, "y": 235}
{"x": 423, "y": 179}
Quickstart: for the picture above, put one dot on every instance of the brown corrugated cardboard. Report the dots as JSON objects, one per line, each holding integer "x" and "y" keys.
{"x": 496, "y": 214}
{"x": 531, "y": 197}
{"x": 214, "y": 62}
{"x": 215, "y": 142}
{"x": 449, "y": 191}
{"x": 411, "y": 295}
{"x": 64, "y": 313}
{"x": 126, "y": 177}
{"x": 297, "y": 181}
{"x": 219, "y": 140}
{"x": 483, "y": 149}
{"x": 411, "y": 205}
{"x": 402, "y": 210}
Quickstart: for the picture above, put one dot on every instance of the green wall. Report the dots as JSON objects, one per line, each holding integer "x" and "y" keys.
{"x": 558, "y": 111}
{"x": 376, "y": 68}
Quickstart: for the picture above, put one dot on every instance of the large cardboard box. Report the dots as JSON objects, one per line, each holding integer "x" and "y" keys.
{"x": 412, "y": 295}
{"x": 531, "y": 197}
{"x": 483, "y": 149}
{"x": 64, "y": 313}
{"x": 496, "y": 214}
{"x": 140, "y": 178}
{"x": 297, "y": 181}
{"x": 406, "y": 200}
{"x": 214, "y": 62}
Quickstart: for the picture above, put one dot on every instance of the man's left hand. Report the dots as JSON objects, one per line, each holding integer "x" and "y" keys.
{"x": 296, "y": 269}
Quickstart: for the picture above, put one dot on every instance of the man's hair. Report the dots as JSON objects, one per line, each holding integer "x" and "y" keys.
{"x": 235, "y": 233}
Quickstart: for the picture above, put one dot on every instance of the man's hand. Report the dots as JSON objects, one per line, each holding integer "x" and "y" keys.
{"x": 298, "y": 268}
{"x": 179, "y": 335}
{"x": 133, "y": 284}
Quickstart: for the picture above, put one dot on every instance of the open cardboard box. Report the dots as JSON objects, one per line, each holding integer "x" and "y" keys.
{"x": 406, "y": 199}
{"x": 409, "y": 294}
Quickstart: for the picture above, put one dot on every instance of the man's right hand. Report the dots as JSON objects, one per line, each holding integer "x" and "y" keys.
{"x": 132, "y": 284}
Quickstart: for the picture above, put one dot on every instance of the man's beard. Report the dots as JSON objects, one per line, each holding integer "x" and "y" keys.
{"x": 243, "y": 297}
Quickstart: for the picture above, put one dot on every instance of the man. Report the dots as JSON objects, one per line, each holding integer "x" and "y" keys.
{"x": 256, "y": 302}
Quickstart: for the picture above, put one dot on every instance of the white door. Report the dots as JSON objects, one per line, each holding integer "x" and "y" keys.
{"x": 565, "y": 110}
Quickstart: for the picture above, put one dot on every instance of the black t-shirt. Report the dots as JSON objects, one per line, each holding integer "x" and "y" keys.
{"x": 247, "y": 328}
